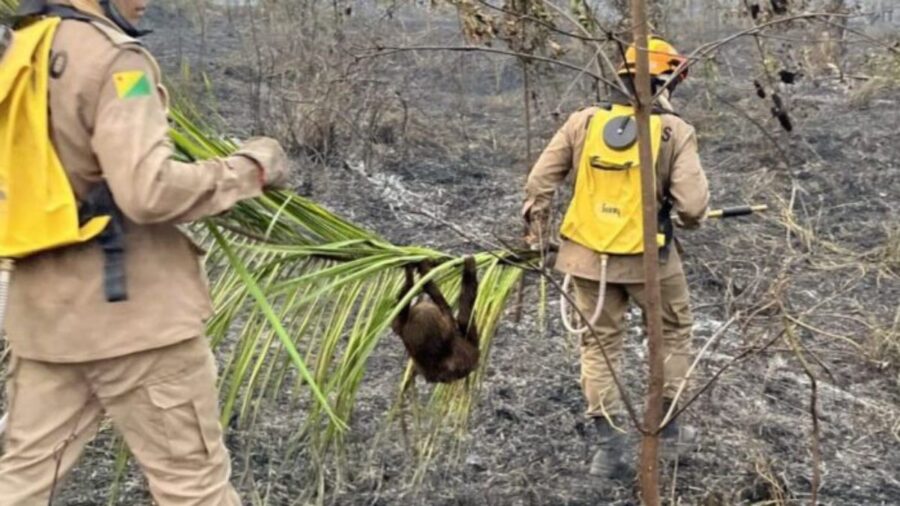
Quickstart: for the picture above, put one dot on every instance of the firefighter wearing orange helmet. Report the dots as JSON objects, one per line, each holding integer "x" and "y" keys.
{"x": 601, "y": 240}
{"x": 664, "y": 61}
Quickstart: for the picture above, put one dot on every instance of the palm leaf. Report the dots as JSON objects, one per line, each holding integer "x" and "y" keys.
{"x": 333, "y": 285}
{"x": 8, "y": 8}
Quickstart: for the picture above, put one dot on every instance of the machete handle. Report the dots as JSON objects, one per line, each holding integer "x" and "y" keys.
{"x": 730, "y": 212}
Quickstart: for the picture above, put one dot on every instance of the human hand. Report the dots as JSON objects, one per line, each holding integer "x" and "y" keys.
{"x": 679, "y": 222}
{"x": 537, "y": 240}
{"x": 271, "y": 159}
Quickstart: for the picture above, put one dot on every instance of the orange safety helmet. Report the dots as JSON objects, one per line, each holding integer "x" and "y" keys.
{"x": 664, "y": 59}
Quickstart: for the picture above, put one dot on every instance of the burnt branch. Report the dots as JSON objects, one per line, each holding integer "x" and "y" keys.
{"x": 389, "y": 50}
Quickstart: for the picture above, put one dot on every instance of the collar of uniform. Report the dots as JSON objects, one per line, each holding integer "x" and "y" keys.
{"x": 89, "y": 7}
{"x": 663, "y": 102}
{"x": 661, "y": 106}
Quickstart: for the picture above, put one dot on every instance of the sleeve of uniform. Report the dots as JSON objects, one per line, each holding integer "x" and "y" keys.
{"x": 131, "y": 142}
{"x": 689, "y": 188}
{"x": 550, "y": 170}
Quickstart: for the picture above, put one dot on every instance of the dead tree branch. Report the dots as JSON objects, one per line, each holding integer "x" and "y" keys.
{"x": 784, "y": 156}
{"x": 388, "y": 50}
{"x": 813, "y": 411}
{"x": 510, "y": 256}
{"x": 706, "y": 49}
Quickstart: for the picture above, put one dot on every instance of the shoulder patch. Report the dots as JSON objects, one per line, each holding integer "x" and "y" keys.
{"x": 132, "y": 84}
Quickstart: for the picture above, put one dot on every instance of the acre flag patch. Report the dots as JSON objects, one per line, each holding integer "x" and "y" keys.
{"x": 132, "y": 84}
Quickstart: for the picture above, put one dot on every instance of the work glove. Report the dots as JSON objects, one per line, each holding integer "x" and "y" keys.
{"x": 680, "y": 222}
{"x": 536, "y": 225}
{"x": 537, "y": 237}
{"x": 271, "y": 159}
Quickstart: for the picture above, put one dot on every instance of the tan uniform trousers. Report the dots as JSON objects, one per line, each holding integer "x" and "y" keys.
{"x": 596, "y": 379}
{"x": 162, "y": 401}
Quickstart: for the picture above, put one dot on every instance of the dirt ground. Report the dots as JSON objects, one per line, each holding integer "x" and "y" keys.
{"x": 837, "y": 273}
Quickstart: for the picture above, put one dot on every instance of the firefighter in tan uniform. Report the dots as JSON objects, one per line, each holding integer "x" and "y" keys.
{"x": 682, "y": 187}
{"x": 143, "y": 361}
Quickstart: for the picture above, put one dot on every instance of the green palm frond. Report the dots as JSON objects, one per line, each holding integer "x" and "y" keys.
{"x": 333, "y": 287}
{"x": 7, "y": 8}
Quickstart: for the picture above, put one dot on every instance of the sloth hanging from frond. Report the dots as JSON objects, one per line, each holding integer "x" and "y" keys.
{"x": 443, "y": 347}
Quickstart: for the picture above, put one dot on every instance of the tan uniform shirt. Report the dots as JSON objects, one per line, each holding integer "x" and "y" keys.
{"x": 57, "y": 310}
{"x": 678, "y": 169}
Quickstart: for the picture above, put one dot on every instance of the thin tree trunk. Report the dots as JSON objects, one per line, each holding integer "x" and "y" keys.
{"x": 649, "y": 467}
{"x": 837, "y": 32}
{"x": 526, "y": 82}
{"x": 257, "y": 86}
{"x": 526, "y": 79}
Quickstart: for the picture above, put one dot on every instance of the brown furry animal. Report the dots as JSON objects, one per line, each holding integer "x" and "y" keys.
{"x": 444, "y": 348}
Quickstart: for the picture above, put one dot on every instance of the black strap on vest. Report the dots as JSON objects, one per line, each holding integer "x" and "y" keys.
{"x": 66, "y": 12}
{"x": 666, "y": 227}
{"x": 99, "y": 202}
{"x": 30, "y": 8}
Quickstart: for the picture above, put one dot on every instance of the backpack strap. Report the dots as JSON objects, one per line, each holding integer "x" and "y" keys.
{"x": 99, "y": 202}
{"x": 666, "y": 227}
{"x": 108, "y": 11}
{"x": 66, "y": 12}
{"x": 29, "y": 9}
{"x": 124, "y": 40}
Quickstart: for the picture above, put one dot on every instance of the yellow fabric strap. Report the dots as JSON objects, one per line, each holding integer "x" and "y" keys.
{"x": 38, "y": 209}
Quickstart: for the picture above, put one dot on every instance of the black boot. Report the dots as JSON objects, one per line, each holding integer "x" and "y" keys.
{"x": 612, "y": 457}
{"x": 675, "y": 438}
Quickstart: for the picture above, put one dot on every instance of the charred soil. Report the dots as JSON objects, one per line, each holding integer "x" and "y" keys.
{"x": 824, "y": 264}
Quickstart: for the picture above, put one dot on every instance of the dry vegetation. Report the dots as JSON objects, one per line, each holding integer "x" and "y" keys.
{"x": 803, "y": 384}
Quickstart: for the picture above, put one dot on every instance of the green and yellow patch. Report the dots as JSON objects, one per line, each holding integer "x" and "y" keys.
{"x": 132, "y": 84}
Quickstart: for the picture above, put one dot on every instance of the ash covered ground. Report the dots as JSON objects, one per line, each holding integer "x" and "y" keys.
{"x": 829, "y": 270}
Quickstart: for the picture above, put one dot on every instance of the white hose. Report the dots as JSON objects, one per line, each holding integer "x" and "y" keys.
{"x": 6, "y": 268}
{"x": 601, "y": 295}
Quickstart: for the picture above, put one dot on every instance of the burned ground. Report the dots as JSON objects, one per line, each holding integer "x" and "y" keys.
{"x": 824, "y": 264}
